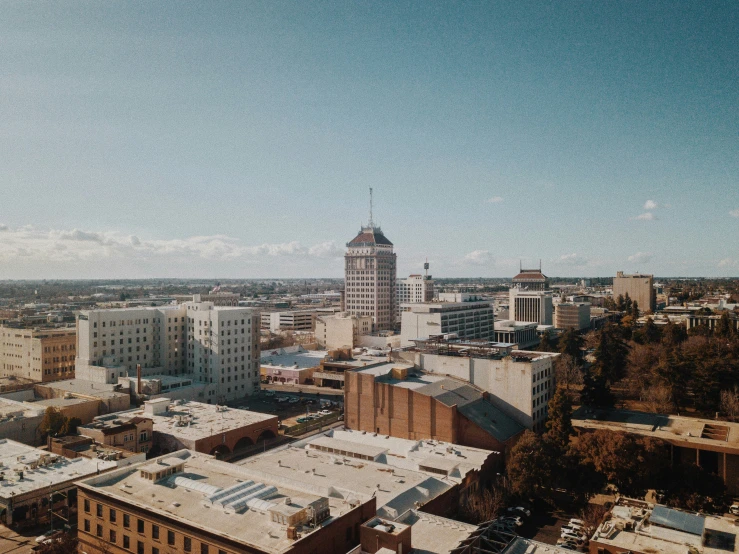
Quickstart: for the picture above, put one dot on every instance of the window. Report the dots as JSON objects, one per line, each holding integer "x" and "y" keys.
{"x": 203, "y": 548}
{"x": 170, "y": 538}
{"x": 112, "y": 515}
{"x": 126, "y": 542}
{"x": 139, "y": 547}
{"x": 154, "y": 550}
{"x": 155, "y": 532}
{"x": 99, "y": 530}
{"x": 87, "y": 505}
{"x": 144, "y": 437}
{"x": 140, "y": 525}
{"x": 87, "y": 525}
{"x": 112, "y": 536}
{"x": 188, "y": 544}
{"x": 99, "y": 510}
{"x": 126, "y": 521}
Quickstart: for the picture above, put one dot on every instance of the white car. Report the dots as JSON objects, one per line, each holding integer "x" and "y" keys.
{"x": 521, "y": 509}
{"x": 579, "y": 522}
{"x": 324, "y": 412}
{"x": 734, "y": 509}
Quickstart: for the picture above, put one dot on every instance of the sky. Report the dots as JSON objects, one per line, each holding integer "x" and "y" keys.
{"x": 240, "y": 139}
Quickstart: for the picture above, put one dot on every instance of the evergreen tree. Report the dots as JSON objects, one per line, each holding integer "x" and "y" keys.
{"x": 724, "y": 326}
{"x": 545, "y": 344}
{"x": 571, "y": 342}
{"x": 652, "y": 333}
{"x": 611, "y": 354}
{"x": 596, "y": 393}
{"x": 620, "y": 303}
{"x": 559, "y": 422}
{"x": 530, "y": 466}
{"x": 635, "y": 309}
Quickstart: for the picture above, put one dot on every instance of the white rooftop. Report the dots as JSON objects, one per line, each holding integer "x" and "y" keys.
{"x": 305, "y": 359}
{"x": 188, "y": 420}
{"x": 13, "y": 408}
{"x": 41, "y": 469}
{"x": 432, "y": 534}
{"x": 207, "y": 493}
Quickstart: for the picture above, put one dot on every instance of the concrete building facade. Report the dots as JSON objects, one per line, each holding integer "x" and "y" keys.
{"x": 572, "y": 315}
{"x": 38, "y": 354}
{"x": 468, "y": 320}
{"x": 341, "y": 330}
{"x": 639, "y": 287}
{"x": 531, "y": 306}
{"x": 531, "y": 279}
{"x": 416, "y": 289}
{"x": 294, "y": 320}
{"x": 371, "y": 277}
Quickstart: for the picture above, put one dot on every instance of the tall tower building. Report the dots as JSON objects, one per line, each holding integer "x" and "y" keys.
{"x": 370, "y": 276}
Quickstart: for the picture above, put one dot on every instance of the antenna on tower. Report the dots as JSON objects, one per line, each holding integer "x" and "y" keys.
{"x": 426, "y": 267}
{"x": 371, "y": 223}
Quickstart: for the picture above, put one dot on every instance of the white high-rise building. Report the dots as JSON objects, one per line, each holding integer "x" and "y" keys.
{"x": 531, "y": 305}
{"x": 416, "y": 289}
{"x": 370, "y": 277}
{"x": 217, "y": 345}
{"x": 468, "y": 320}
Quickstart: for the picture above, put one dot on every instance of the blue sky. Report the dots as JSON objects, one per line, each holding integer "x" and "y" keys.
{"x": 240, "y": 139}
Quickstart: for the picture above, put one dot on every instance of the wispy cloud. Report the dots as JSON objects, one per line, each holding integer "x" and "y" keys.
{"x": 646, "y": 216}
{"x": 650, "y": 205}
{"x": 572, "y": 260}
{"x": 732, "y": 213}
{"x": 640, "y": 257}
{"x": 729, "y": 263}
{"x": 495, "y": 200}
{"x": 478, "y": 257}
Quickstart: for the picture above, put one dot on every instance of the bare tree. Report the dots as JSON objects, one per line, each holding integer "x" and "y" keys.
{"x": 658, "y": 399}
{"x": 566, "y": 371}
{"x": 592, "y": 516}
{"x": 730, "y": 403}
{"x": 484, "y": 505}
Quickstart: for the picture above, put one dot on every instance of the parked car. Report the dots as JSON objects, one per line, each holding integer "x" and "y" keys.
{"x": 282, "y": 399}
{"x": 569, "y": 534}
{"x": 302, "y": 420}
{"x": 567, "y": 545}
{"x": 516, "y": 520}
{"x": 325, "y": 412}
{"x": 519, "y": 509}
{"x": 269, "y": 393}
{"x": 734, "y": 509}
{"x": 294, "y": 400}
{"x": 579, "y": 522}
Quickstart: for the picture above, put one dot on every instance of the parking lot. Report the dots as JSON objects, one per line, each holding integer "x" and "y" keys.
{"x": 290, "y": 411}
{"x": 544, "y": 524}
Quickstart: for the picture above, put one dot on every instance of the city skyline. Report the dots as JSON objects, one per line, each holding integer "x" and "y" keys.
{"x": 240, "y": 140}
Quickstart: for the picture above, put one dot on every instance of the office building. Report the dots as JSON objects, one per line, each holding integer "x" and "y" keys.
{"x": 32, "y": 476}
{"x": 572, "y": 315}
{"x": 531, "y": 306}
{"x": 531, "y": 279}
{"x": 189, "y": 502}
{"x": 416, "y": 289}
{"x": 521, "y": 333}
{"x": 341, "y": 330}
{"x": 642, "y": 528}
{"x": 38, "y": 354}
{"x": 293, "y": 320}
{"x": 467, "y": 320}
{"x": 519, "y": 383}
{"x": 639, "y": 287}
{"x": 213, "y": 344}
{"x": 370, "y": 277}
{"x": 400, "y": 401}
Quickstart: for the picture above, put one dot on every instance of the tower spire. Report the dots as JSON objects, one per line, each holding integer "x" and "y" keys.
{"x": 371, "y": 223}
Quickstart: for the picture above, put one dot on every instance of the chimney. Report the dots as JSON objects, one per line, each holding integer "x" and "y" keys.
{"x": 138, "y": 378}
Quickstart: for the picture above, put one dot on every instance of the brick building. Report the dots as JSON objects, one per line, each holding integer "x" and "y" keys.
{"x": 134, "y": 434}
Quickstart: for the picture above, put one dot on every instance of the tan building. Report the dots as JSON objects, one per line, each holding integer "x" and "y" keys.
{"x": 78, "y": 446}
{"x": 572, "y": 315}
{"x": 189, "y": 502}
{"x": 639, "y": 287}
{"x": 38, "y": 354}
{"x": 370, "y": 277}
{"x": 341, "y": 330}
{"x": 531, "y": 279}
{"x": 134, "y": 434}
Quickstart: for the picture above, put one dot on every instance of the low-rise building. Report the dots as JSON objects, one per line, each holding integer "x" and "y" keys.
{"x": 711, "y": 444}
{"x": 341, "y": 330}
{"x": 531, "y": 305}
{"x": 134, "y": 434}
{"x": 397, "y": 400}
{"x": 32, "y": 477}
{"x": 292, "y": 365}
{"x": 521, "y": 333}
{"x": 641, "y": 528}
{"x": 40, "y": 354}
{"x": 468, "y": 320}
{"x": 572, "y": 315}
{"x": 189, "y": 502}
{"x": 75, "y": 446}
{"x": 216, "y": 430}
{"x": 20, "y": 422}
{"x": 710, "y": 321}
{"x": 292, "y": 320}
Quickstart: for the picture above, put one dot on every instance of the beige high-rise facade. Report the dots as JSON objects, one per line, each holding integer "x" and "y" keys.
{"x": 639, "y": 287}
{"x": 38, "y": 354}
{"x": 370, "y": 277}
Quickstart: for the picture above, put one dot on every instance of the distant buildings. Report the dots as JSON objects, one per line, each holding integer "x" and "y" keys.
{"x": 41, "y": 354}
{"x": 416, "y": 289}
{"x": 572, "y": 315}
{"x": 468, "y": 320}
{"x": 291, "y": 320}
{"x": 531, "y": 279}
{"x": 370, "y": 277}
{"x": 639, "y": 287}
{"x": 213, "y": 344}
{"x": 522, "y": 333}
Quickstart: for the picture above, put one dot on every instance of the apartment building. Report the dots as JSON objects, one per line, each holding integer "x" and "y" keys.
{"x": 371, "y": 277}
{"x": 218, "y": 345}
{"x": 38, "y": 354}
{"x": 416, "y": 289}
{"x": 293, "y": 320}
{"x": 639, "y": 287}
{"x": 468, "y": 320}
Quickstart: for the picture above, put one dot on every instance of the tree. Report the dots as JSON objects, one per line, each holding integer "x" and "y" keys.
{"x": 567, "y": 371}
{"x": 691, "y": 487}
{"x": 658, "y": 399}
{"x": 571, "y": 342}
{"x": 64, "y": 543}
{"x": 730, "y": 403}
{"x": 674, "y": 370}
{"x": 652, "y": 334}
{"x": 673, "y": 334}
{"x": 635, "y": 309}
{"x": 484, "y": 505}
{"x": 620, "y": 303}
{"x": 596, "y": 393}
{"x": 530, "y": 466}
{"x": 724, "y": 326}
{"x": 559, "y": 423}
{"x": 52, "y": 423}
{"x": 545, "y": 344}
{"x": 611, "y": 354}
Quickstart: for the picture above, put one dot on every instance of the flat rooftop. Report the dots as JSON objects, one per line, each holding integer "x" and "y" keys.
{"x": 192, "y": 421}
{"x": 675, "y": 429}
{"x": 41, "y": 469}
{"x": 519, "y": 545}
{"x": 201, "y": 496}
{"x": 87, "y": 388}
{"x": 391, "y": 480}
{"x": 298, "y": 360}
{"x": 13, "y": 408}
{"x": 640, "y": 527}
{"x": 432, "y": 534}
